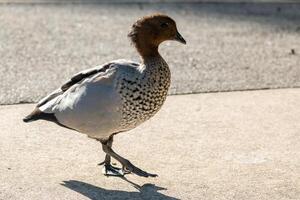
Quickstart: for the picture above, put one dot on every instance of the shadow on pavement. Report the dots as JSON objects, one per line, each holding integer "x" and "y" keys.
{"x": 146, "y": 191}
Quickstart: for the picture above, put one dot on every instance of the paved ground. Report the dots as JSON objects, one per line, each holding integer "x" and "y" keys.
{"x": 237, "y": 145}
{"x": 230, "y": 46}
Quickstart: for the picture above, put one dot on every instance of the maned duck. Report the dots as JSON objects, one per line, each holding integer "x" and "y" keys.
{"x": 117, "y": 96}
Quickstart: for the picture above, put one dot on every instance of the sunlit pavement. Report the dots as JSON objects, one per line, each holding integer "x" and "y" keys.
{"x": 235, "y": 145}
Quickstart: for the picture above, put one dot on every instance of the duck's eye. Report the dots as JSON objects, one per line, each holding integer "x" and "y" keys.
{"x": 164, "y": 25}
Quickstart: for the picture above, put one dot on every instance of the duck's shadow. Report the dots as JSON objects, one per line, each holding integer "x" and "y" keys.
{"x": 146, "y": 191}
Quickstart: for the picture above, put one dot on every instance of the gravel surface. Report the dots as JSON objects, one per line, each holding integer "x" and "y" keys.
{"x": 229, "y": 46}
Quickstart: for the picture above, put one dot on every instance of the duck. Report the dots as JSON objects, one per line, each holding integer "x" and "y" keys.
{"x": 117, "y": 96}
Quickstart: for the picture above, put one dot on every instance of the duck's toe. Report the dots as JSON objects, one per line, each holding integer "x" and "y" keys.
{"x": 143, "y": 173}
{"x": 130, "y": 168}
{"x": 109, "y": 170}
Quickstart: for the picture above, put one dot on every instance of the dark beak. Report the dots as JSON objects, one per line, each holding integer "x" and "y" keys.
{"x": 179, "y": 38}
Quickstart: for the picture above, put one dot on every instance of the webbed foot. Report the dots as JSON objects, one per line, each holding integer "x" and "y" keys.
{"x": 109, "y": 170}
{"x": 128, "y": 167}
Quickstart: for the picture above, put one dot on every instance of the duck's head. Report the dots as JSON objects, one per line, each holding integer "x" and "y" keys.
{"x": 148, "y": 32}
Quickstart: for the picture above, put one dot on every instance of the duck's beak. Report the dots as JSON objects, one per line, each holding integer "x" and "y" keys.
{"x": 179, "y": 38}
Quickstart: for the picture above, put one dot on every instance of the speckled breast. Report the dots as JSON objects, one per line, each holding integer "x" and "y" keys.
{"x": 143, "y": 96}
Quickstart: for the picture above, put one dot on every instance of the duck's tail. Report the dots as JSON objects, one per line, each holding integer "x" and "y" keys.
{"x": 37, "y": 114}
{"x": 32, "y": 116}
{"x": 27, "y": 119}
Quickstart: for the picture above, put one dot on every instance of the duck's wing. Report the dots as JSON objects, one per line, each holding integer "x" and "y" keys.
{"x": 40, "y": 113}
{"x": 74, "y": 80}
{"x": 77, "y": 78}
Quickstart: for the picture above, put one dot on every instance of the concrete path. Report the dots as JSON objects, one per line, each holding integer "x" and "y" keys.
{"x": 238, "y": 145}
{"x": 230, "y": 46}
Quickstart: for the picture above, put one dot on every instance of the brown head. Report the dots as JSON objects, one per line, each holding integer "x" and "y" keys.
{"x": 148, "y": 32}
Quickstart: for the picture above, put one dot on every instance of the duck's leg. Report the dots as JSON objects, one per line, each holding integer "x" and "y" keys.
{"x": 108, "y": 142}
{"x": 127, "y": 165}
{"x": 108, "y": 169}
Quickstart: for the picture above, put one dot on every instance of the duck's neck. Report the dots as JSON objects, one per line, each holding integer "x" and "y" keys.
{"x": 149, "y": 55}
{"x": 156, "y": 68}
{"x": 151, "y": 58}
{"x": 154, "y": 62}
{"x": 146, "y": 49}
